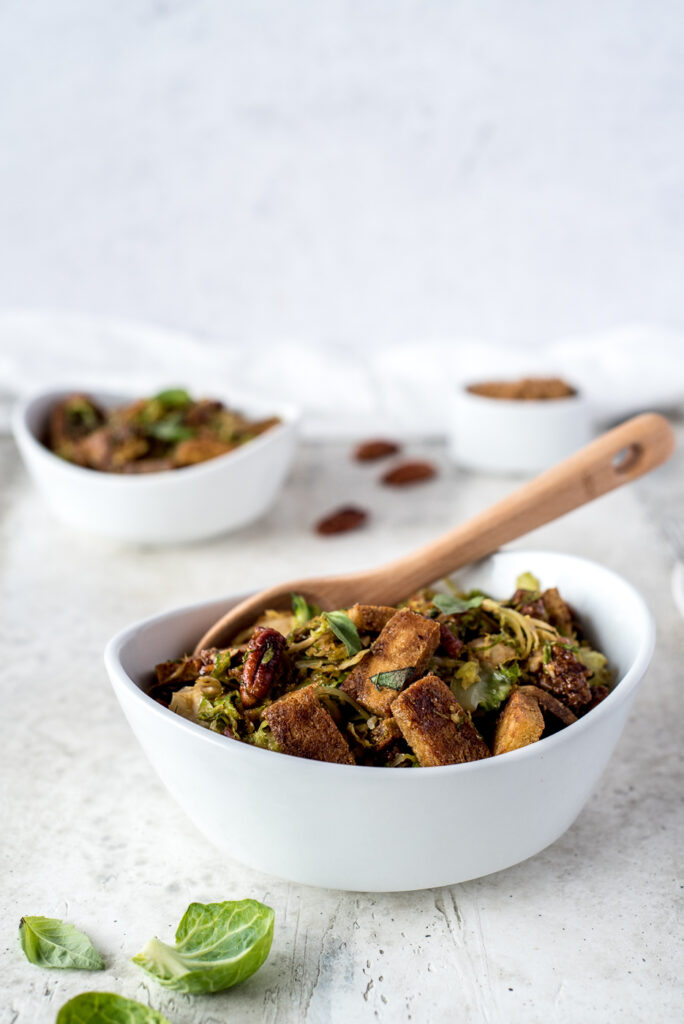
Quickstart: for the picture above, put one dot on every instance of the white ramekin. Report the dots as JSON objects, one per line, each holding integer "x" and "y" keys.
{"x": 499, "y": 435}
{"x": 168, "y": 507}
{"x": 384, "y": 829}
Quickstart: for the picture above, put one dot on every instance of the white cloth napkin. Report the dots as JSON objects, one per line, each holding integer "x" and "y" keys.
{"x": 404, "y": 390}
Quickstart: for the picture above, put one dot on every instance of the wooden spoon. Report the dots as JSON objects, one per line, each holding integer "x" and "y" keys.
{"x": 615, "y": 458}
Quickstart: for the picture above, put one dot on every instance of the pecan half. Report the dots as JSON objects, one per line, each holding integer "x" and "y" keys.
{"x": 344, "y": 519}
{"x": 264, "y": 661}
{"x": 566, "y": 677}
{"x": 409, "y": 473}
{"x": 369, "y": 451}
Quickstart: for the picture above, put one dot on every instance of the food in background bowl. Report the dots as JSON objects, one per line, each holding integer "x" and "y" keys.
{"x": 191, "y": 503}
{"x": 527, "y": 389}
{"x": 442, "y": 678}
{"x": 168, "y": 431}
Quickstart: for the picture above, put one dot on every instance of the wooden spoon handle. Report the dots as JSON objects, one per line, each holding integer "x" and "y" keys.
{"x": 614, "y": 459}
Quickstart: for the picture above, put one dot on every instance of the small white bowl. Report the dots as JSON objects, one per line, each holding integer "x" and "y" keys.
{"x": 385, "y": 829}
{"x": 500, "y": 435}
{"x": 169, "y": 507}
{"x": 677, "y": 585}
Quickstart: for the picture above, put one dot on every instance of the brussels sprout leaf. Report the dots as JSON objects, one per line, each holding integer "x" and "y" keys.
{"x": 302, "y": 610}
{"x": 107, "y": 1008}
{"x": 489, "y": 690}
{"x": 526, "y": 581}
{"x": 217, "y": 946}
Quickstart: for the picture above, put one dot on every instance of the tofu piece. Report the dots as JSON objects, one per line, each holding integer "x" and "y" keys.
{"x": 371, "y": 618}
{"x": 520, "y": 723}
{"x": 302, "y": 727}
{"x": 407, "y": 641}
{"x": 435, "y": 725}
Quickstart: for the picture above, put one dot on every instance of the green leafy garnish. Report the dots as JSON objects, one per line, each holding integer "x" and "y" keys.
{"x": 82, "y": 413}
{"x": 173, "y": 398}
{"x": 107, "y": 1008}
{"x": 49, "y": 942}
{"x": 394, "y": 680}
{"x": 450, "y": 604}
{"x": 345, "y": 630}
{"x": 217, "y": 946}
{"x": 170, "y": 429}
{"x": 526, "y": 581}
{"x": 303, "y": 611}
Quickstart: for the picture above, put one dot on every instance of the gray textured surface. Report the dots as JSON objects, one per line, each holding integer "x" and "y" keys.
{"x": 587, "y": 930}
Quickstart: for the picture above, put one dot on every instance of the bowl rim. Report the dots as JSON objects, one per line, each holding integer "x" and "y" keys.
{"x": 289, "y": 414}
{"x": 246, "y": 753}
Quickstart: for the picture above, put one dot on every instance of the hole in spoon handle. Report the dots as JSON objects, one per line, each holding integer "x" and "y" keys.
{"x": 628, "y": 459}
{"x": 638, "y": 446}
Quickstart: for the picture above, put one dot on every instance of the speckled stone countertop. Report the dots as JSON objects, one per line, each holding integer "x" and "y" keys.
{"x": 586, "y": 931}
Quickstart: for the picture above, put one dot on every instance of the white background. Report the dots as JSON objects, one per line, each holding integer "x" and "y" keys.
{"x": 358, "y": 173}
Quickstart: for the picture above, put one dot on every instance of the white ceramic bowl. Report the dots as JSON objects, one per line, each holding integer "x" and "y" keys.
{"x": 499, "y": 435}
{"x": 384, "y": 829}
{"x": 677, "y": 585}
{"x": 159, "y": 508}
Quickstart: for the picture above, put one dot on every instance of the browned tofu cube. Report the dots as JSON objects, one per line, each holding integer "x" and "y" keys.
{"x": 406, "y": 644}
{"x": 435, "y": 725}
{"x": 371, "y": 618}
{"x": 303, "y": 728}
{"x": 520, "y": 723}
